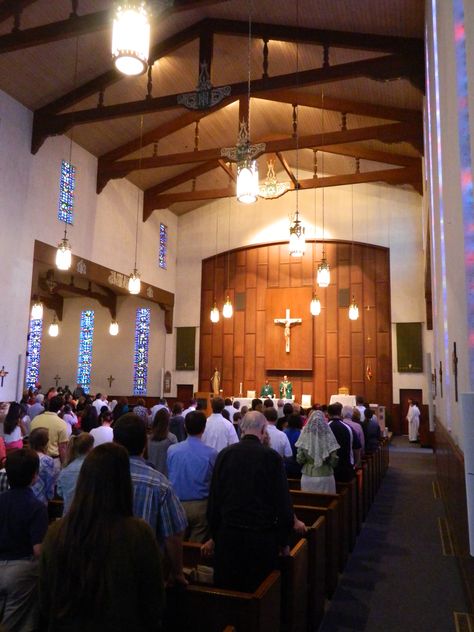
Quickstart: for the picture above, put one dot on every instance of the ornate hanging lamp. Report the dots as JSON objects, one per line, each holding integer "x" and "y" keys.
{"x": 297, "y": 245}
{"x": 113, "y": 328}
{"x": 244, "y": 153}
{"x": 64, "y": 253}
{"x": 131, "y": 37}
{"x": 53, "y": 329}
{"x": 272, "y": 188}
{"x": 315, "y": 305}
{"x": 323, "y": 275}
{"x": 353, "y": 307}
{"x": 134, "y": 282}
{"x": 37, "y": 310}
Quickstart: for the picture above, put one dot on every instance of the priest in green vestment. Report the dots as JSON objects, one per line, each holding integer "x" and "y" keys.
{"x": 267, "y": 390}
{"x": 286, "y": 388}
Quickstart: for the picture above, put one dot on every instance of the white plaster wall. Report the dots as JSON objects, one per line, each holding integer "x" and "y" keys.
{"x": 449, "y": 297}
{"x": 383, "y": 215}
{"x": 111, "y": 355}
{"x": 103, "y": 231}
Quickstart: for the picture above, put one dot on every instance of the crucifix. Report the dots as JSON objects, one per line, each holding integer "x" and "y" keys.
{"x": 455, "y": 371}
{"x": 3, "y": 375}
{"x": 441, "y": 378}
{"x": 110, "y": 379}
{"x": 56, "y": 379}
{"x": 287, "y": 322}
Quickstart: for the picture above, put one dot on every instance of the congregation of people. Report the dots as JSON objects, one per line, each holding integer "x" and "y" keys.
{"x": 133, "y": 483}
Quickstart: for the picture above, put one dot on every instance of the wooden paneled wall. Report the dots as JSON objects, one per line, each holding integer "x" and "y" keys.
{"x": 342, "y": 350}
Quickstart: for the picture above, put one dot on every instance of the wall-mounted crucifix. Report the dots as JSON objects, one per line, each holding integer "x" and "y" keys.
{"x": 3, "y": 375}
{"x": 455, "y": 371}
{"x": 110, "y": 379}
{"x": 287, "y": 322}
{"x": 57, "y": 379}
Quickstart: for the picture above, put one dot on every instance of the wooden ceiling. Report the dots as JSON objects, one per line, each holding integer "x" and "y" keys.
{"x": 344, "y": 78}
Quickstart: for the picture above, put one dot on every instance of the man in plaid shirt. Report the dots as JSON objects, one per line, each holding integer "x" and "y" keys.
{"x": 154, "y": 499}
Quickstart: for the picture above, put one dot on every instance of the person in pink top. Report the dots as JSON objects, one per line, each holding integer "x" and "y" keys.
{"x": 13, "y": 428}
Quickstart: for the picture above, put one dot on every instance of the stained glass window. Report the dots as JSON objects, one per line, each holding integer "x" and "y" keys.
{"x": 86, "y": 338}
{"x": 163, "y": 246}
{"x": 67, "y": 185}
{"x": 33, "y": 353}
{"x": 140, "y": 366}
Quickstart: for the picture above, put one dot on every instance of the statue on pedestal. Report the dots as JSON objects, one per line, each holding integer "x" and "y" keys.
{"x": 215, "y": 381}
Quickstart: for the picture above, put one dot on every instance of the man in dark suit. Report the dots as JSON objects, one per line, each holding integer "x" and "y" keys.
{"x": 344, "y": 471}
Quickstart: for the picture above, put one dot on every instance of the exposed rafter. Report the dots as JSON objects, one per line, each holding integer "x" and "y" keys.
{"x": 75, "y": 25}
{"x": 389, "y": 133}
{"x": 381, "y": 68}
{"x": 405, "y": 175}
{"x": 10, "y": 8}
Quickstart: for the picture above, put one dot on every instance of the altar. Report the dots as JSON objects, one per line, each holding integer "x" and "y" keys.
{"x": 345, "y": 400}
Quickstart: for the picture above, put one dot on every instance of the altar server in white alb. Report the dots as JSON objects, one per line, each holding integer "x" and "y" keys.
{"x": 413, "y": 418}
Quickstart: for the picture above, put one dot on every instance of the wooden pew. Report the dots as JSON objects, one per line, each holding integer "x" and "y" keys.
{"x": 332, "y": 502}
{"x": 294, "y": 594}
{"x": 350, "y": 492}
{"x": 316, "y": 537}
{"x": 331, "y": 525}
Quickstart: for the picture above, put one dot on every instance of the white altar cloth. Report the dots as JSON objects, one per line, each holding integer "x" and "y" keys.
{"x": 345, "y": 400}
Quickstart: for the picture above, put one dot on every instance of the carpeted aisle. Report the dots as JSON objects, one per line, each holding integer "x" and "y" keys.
{"x": 397, "y": 578}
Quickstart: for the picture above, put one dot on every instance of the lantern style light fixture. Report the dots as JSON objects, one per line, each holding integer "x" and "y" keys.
{"x": 315, "y": 306}
{"x": 244, "y": 153}
{"x": 37, "y": 310}
{"x": 297, "y": 245}
{"x": 215, "y": 314}
{"x": 53, "y": 329}
{"x": 323, "y": 277}
{"x": 227, "y": 310}
{"x": 134, "y": 283}
{"x": 64, "y": 253}
{"x": 131, "y": 37}
{"x": 113, "y": 328}
{"x": 353, "y": 310}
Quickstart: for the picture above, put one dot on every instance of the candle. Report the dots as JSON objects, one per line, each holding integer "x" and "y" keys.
{"x": 240, "y": 388}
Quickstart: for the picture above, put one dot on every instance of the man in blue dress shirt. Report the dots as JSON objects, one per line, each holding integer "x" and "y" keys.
{"x": 190, "y": 466}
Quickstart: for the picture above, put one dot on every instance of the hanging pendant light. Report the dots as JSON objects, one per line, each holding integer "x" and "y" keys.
{"x": 244, "y": 153}
{"x": 64, "y": 253}
{"x": 227, "y": 310}
{"x": 215, "y": 314}
{"x": 272, "y": 188}
{"x": 114, "y": 327}
{"x": 323, "y": 277}
{"x": 37, "y": 310}
{"x": 315, "y": 306}
{"x": 131, "y": 37}
{"x": 53, "y": 329}
{"x": 353, "y": 310}
{"x": 297, "y": 245}
{"x": 134, "y": 283}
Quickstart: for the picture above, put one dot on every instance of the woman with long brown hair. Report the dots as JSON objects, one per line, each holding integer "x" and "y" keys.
{"x": 160, "y": 440}
{"x": 100, "y": 568}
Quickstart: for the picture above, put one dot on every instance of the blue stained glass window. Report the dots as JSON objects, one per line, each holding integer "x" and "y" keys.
{"x": 163, "y": 246}
{"x": 67, "y": 185}
{"x": 86, "y": 338}
{"x": 140, "y": 366}
{"x": 34, "y": 352}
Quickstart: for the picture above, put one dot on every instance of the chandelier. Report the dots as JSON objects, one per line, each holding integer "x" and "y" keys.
{"x": 271, "y": 188}
{"x": 37, "y": 310}
{"x": 353, "y": 310}
{"x": 315, "y": 306}
{"x": 323, "y": 275}
{"x": 131, "y": 37}
{"x": 53, "y": 329}
{"x": 215, "y": 314}
{"x": 64, "y": 253}
{"x": 244, "y": 154}
{"x": 227, "y": 310}
{"x": 114, "y": 327}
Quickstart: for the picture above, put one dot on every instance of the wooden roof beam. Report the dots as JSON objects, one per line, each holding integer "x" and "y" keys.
{"x": 77, "y": 25}
{"x": 406, "y": 175}
{"x": 362, "y": 108}
{"x": 338, "y": 39}
{"x": 389, "y": 133}
{"x": 286, "y": 167}
{"x": 10, "y": 8}
{"x": 379, "y": 68}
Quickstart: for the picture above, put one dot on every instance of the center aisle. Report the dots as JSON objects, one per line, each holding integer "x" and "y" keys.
{"x": 397, "y": 578}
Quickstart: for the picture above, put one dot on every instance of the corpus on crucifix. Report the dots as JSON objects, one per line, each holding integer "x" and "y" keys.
{"x": 287, "y": 322}
{"x": 3, "y": 375}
